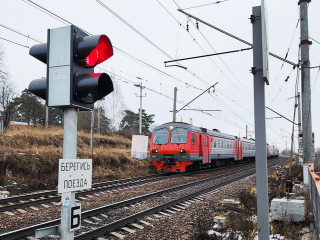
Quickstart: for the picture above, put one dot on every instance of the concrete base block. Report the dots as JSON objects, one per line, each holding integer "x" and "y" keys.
{"x": 283, "y": 209}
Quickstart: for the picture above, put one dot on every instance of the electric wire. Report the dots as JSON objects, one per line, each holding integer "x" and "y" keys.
{"x": 90, "y": 34}
{"x": 117, "y": 49}
{"x": 217, "y": 116}
{"x": 222, "y": 62}
{"x": 217, "y": 2}
{"x": 14, "y": 42}
{"x": 147, "y": 39}
{"x": 222, "y": 72}
{"x": 23, "y": 34}
{"x": 294, "y": 33}
{"x": 55, "y": 16}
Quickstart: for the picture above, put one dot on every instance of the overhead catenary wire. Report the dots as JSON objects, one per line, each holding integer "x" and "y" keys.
{"x": 235, "y": 38}
{"x": 20, "y": 33}
{"x": 90, "y": 34}
{"x": 210, "y": 57}
{"x": 150, "y": 89}
{"x": 56, "y": 15}
{"x": 144, "y": 37}
{"x": 203, "y": 5}
{"x": 286, "y": 56}
{"x": 13, "y": 42}
{"x": 216, "y": 116}
{"x": 223, "y": 72}
{"x": 222, "y": 62}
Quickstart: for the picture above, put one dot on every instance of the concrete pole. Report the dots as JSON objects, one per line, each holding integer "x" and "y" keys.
{"x": 299, "y": 129}
{"x": 91, "y": 133}
{"x": 69, "y": 152}
{"x": 260, "y": 129}
{"x": 305, "y": 83}
{"x": 246, "y": 131}
{"x": 299, "y": 112}
{"x": 47, "y": 118}
{"x": 99, "y": 116}
{"x": 175, "y": 104}
{"x": 140, "y": 114}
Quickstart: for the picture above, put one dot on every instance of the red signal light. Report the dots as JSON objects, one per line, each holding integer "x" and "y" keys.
{"x": 93, "y": 50}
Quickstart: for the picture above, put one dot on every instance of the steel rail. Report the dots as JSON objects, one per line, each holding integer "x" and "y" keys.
{"x": 17, "y": 234}
{"x": 110, "y": 185}
{"x": 124, "y": 221}
{"x": 55, "y": 192}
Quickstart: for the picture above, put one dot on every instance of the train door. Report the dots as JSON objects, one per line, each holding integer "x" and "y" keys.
{"x": 206, "y": 149}
{"x": 200, "y": 146}
{"x": 235, "y": 149}
{"x": 241, "y": 145}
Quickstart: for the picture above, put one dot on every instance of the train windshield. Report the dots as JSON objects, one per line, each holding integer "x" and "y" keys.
{"x": 161, "y": 136}
{"x": 179, "y": 135}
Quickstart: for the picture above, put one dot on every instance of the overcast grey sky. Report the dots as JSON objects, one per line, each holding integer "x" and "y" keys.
{"x": 235, "y": 88}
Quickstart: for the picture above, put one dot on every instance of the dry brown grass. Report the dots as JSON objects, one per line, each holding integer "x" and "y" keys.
{"x": 30, "y": 155}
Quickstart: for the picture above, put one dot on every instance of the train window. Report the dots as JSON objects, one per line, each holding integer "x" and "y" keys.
{"x": 179, "y": 135}
{"x": 218, "y": 143}
{"x": 205, "y": 142}
{"x": 194, "y": 138}
{"x": 224, "y": 144}
{"x": 160, "y": 136}
{"x": 215, "y": 143}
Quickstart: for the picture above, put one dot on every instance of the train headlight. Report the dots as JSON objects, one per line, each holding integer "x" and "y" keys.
{"x": 183, "y": 151}
{"x": 154, "y": 150}
{"x": 171, "y": 127}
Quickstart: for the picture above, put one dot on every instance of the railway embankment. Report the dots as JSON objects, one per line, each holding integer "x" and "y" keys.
{"x": 29, "y": 158}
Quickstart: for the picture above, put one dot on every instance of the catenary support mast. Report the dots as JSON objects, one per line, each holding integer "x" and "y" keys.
{"x": 260, "y": 128}
{"x": 305, "y": 83}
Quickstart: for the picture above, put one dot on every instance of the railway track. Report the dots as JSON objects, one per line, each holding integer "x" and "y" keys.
{"x": 94, "y": 217}
{"x": 33, "y": 199}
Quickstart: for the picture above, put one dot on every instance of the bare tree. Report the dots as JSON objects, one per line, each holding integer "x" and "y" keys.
{"x": 7, "y": 92}
{"x": 2, "y": 71}
{"x": 7, "y": 103}
{"x": 114, "y": 105}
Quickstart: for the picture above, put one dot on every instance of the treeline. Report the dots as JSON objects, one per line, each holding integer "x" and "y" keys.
{"x": 30, "y": 109}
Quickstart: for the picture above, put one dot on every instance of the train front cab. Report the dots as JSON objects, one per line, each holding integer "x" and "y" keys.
{"x": 170, "y": 148}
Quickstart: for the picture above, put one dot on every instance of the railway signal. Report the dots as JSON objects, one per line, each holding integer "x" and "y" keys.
{"x": 71, "y": 84}
{"x": 71, "y": 55}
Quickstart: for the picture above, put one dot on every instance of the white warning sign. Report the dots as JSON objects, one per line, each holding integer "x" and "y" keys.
{"x": 74, "y": 175}
{"x": 139, "y": 146}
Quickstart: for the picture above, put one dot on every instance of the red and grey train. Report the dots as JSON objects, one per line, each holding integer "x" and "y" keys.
{"x": 180, "y": 147}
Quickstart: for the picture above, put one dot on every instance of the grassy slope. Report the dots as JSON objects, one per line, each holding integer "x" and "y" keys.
{"x": 29, "y": 155}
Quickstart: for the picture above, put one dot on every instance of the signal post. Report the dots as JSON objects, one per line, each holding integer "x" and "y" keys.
{"x": 261, "y": 77}
{"x": 71, "y": 84}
